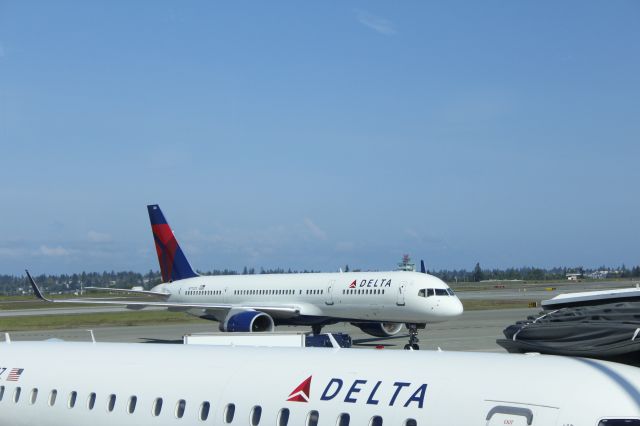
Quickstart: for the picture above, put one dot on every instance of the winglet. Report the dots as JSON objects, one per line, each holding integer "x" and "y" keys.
{"x": 35, "y": 288}
{"x": 422, "y": 268}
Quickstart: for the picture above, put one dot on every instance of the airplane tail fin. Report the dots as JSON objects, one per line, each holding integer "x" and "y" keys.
{"x": 173, "y": 263}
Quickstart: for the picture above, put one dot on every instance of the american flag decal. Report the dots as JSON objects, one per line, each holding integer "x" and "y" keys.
{"x": 14, "y": 374}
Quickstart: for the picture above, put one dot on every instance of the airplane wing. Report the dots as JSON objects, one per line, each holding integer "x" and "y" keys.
{"x": 280, "y": 309}
{"x": 130, "y": 291}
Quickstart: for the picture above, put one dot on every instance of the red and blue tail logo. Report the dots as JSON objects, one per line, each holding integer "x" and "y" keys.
{"x": 301, "y": 393}
{"x": 174, "y": 265}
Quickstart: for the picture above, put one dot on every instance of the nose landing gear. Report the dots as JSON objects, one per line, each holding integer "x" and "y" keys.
{"x": 316, "y": 329}
{"x": 413, "y": 337}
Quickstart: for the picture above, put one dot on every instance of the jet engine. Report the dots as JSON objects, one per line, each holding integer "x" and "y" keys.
{"x": 379, "y": 329}
{"x": 248, "y": 320}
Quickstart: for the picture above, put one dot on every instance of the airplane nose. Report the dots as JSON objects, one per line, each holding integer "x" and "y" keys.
{"x": 454, "y": 308}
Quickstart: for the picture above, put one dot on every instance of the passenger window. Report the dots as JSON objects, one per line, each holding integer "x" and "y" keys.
{"x": 229, "y": 412}
{"x": 34, "y": 395}
{"x": 112, "y": 403}
{"x": 283, "y": 417}
{"x": 204, "y": 410}
{"x": 375, "y": 421}
{"x": 72, "y": 399}
{"x": 343, "y": 420}
{"x": 91, "y": 401}
{"x": 256, "y": 413}
{"x": 312, "y": 418}
{"x": 180, "y": 406}
{"x": 1, "y": 392}
{"x": 410, "y": 422}
{"x": 131, "y": 407}
{"x": 16, "y": 395}
{"x": 52, "y": 397}
{"x": 157, "y": 407}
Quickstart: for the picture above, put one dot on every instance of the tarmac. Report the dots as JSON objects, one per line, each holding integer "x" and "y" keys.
{"x": 472, "y": 331}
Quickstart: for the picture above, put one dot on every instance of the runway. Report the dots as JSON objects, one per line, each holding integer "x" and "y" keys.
{"x": 473, "y": 331}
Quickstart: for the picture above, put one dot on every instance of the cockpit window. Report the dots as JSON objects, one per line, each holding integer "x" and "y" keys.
{"x": 422, "y": 292}
{"x": 441, "y": 292}
{"x": 430, "y": 292}
{"x": 451, "y": 293}
{"x": 619, "y": 422}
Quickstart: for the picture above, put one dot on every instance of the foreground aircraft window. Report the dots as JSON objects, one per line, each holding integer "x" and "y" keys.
{"x": 375, "y": 421}
{"x": 343, "y": 420}
{"x": 157, "y": 407}
{"x": 422, "y": 292}
{"x": 131, "y": 407}
{"x": 619, "y": 422}
{"x": 430, "y": 292}
{"x": 34, "y": 395}
{"x": 256, "y": 413}
{"x": 312, "y": 418}
{"x": 180, "y": 406}
{"x": 91, "y": 400}
{"x": 229, "y": 412}
{"x": 204, "y": 410}
{"x": 1, "y": 392}
{"x": 72, "y": 399}
{"x": 410, "y": 422}
{"x": 52, "y": 397}
{"x": 112, "y": 402}
{"x": 441, "y": 292}
{"x": 16, "y": 395}
{"x": 283, "y": 417}
{"x": 451, "y": 293}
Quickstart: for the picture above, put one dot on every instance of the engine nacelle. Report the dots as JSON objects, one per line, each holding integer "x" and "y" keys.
{"x": 248, "y": 321}
{"x": 379, "y": 329}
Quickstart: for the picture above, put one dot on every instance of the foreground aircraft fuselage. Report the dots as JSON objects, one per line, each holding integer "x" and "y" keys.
{"x": 68, "y": 384}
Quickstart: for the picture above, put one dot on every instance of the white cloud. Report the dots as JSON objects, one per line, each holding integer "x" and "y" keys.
{"x": 315, "y": 229}
{"x": 98, "y": 237}
{"x": 54, "y": 251}
{"x": 379, "y": 25}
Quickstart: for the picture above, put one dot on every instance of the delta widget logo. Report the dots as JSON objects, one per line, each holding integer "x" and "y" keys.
{"x": 301, "y": 393}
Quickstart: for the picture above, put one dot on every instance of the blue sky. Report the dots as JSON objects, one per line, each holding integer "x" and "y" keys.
{"x": 317, "y": 134}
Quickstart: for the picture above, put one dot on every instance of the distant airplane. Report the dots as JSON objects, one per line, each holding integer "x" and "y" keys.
{"x": 127, "y": 384}
{"x": 376, "y": 302}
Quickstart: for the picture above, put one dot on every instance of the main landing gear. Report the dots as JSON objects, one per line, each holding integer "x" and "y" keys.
{"x": 413, "y": 337}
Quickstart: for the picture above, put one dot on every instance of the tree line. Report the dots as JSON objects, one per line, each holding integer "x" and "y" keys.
{"x": 72, "y": 283}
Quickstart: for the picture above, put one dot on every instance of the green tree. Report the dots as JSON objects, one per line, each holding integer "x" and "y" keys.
{"x": 477, "y": 274}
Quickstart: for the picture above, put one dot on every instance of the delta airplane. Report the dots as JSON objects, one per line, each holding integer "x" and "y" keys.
{"x": 376, "y": 302}
{"x": 69, "y": 384}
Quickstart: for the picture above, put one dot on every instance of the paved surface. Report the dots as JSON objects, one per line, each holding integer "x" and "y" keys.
{"x": 473, "y": 331}
{"x": 536, "y": 292}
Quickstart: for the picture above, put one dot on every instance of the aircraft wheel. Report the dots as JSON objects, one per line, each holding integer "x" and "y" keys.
{"x": 415, "y": 347}
{"x": 407, "y": 347}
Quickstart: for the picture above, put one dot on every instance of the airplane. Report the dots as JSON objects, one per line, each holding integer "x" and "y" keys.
{"x": 99, "y": 384}
{"x": 378, "y": 303}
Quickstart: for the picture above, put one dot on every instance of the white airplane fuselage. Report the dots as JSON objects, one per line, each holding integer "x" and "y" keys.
{"x": 396, "y": 296}
{"x": 121, "y": 384}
